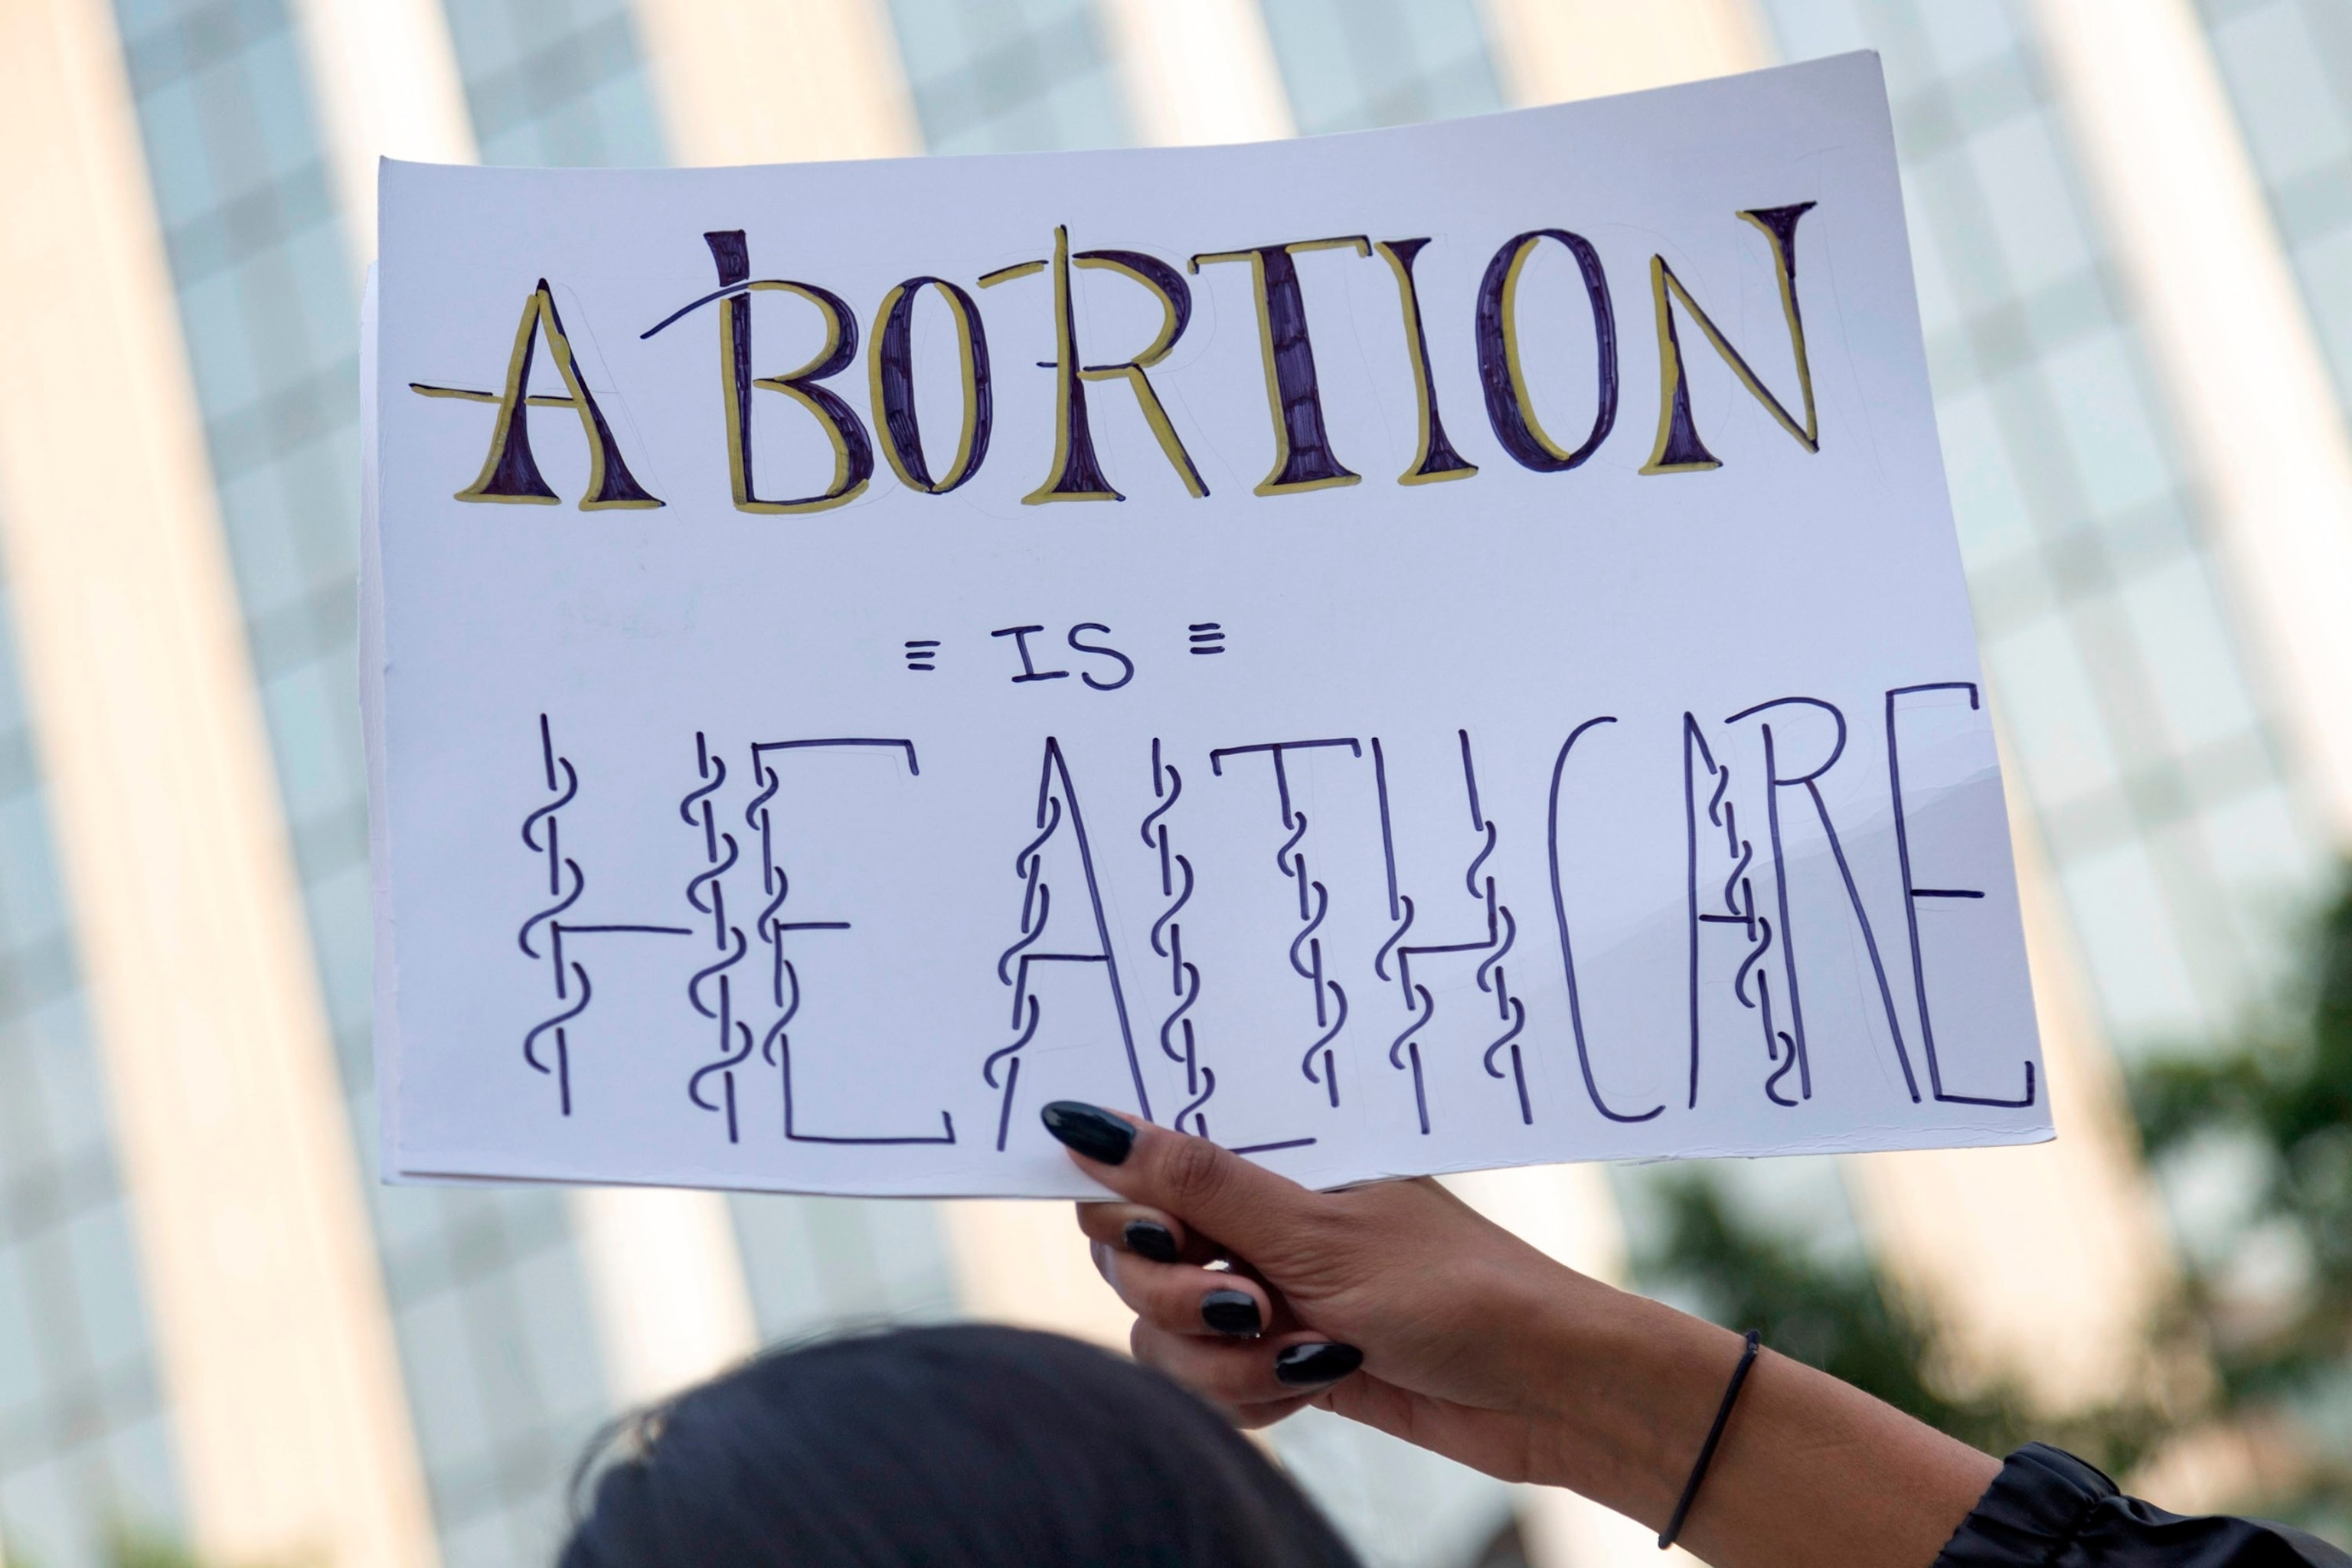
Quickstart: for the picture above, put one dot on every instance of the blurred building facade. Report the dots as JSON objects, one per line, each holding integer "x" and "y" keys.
{"x": 409, "y": 1375}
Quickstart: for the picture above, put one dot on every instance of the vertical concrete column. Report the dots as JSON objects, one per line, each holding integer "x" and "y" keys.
{"x": 778, "y": 81}
{"x": 1026, "y": 1263}
{"x": 666, "y": 1277}
{"x": 1549, "y": 51}
{"x": 271, "y": 1334}
{"x": 1197, "y": 73}
{"x": 2193, "y": 243}
{"x": 384, "y": 84}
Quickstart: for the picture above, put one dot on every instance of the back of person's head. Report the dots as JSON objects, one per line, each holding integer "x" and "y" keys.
{"x": 967, "y": 1446}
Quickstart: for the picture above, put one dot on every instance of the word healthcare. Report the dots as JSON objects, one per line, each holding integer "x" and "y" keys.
{"x": 775, "y": 785}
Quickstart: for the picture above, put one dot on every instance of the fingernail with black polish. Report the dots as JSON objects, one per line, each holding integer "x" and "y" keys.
{"x": 1090, "y": 1130}
{"x": 1149, "y": 1239}
{"x": 1232, "y": 1312}
{"x": 1302, "y": 1366}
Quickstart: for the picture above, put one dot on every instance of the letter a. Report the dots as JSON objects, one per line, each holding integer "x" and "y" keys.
{"x": 509, "y": 474}
{"x": 1081, "y": 936}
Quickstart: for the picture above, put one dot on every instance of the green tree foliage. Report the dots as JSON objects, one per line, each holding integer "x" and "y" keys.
{"x": 2275, "y": 1304}
{"x": 139, "y": 1548}
{"x": 2270, "y": 1307}
{"x": 1842, "y": 1316}
{"x": 126, "y": 1547}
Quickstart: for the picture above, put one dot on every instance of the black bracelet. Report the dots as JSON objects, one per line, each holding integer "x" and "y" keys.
{"x": 1714, "y": 1435}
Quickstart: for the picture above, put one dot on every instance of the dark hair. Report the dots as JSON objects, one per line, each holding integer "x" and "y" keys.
{"x": 963, "y": 1447}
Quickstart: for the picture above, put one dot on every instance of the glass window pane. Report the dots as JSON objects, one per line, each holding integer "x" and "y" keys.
{"x": 2284, "y": 100}
{"x": 2117, "y": 456}
{"x": 1351, "y": 64}
{"x": 2036, "y": 223}
{"x": 2193, "y": 665}
{"x": 2135, "y": 958}
{"x": 2053, "y": 710}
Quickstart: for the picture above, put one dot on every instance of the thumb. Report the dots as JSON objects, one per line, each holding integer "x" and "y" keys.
{"x": 1246, "y": 1207}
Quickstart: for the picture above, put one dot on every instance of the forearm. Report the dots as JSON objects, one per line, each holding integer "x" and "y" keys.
{"x": 1810, "y": 1471}
{"x": 1474, "y": 1344}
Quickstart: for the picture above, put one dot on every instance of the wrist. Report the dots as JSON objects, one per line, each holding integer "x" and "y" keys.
{"x": 1623, "y": 1390}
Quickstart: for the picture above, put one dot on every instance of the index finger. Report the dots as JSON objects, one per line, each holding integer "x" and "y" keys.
{"x": 1247, "y": 1207}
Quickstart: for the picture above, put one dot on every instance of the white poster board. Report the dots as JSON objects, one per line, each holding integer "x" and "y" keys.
{"x": 1398, "y": 652}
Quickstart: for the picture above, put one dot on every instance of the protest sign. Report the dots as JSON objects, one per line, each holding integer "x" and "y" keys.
{"x": 1396, "y": 652}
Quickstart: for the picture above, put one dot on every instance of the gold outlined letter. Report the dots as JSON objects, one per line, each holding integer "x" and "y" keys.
{"x": 1175, "y": 297}
{"x": 1679, "y": 450}
{"x": 1078, "y": 473}
{"x": 1433, "y": 457}
{"x": 509, "y": 475}
{"x": 852, "y": 455}
{"x": 1510, "y": 409}
{"x": 890, "y": 377}
{"x": 1302, "y": 451}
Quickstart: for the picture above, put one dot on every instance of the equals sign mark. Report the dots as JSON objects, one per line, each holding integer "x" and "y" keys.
{"x": 921, "y": 652}
{"x": 1207, "y": 637}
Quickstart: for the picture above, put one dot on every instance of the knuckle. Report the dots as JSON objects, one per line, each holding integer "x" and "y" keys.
{"x": 1196, "y": 1173}
{"x": 1156, "y": 1347}
{"x": 1171, "y": 1299}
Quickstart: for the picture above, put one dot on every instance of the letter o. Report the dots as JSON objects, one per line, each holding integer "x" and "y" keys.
{"x": 891, "y": 372}
{"x": 1508, "y": 407}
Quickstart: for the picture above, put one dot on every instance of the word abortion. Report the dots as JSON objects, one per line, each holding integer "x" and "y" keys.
{"x": 1304, "y": 456}
{"x": 748, "y": 963}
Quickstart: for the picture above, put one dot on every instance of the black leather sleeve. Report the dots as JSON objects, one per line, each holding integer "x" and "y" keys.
{"x": 2049, "y": 1509}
